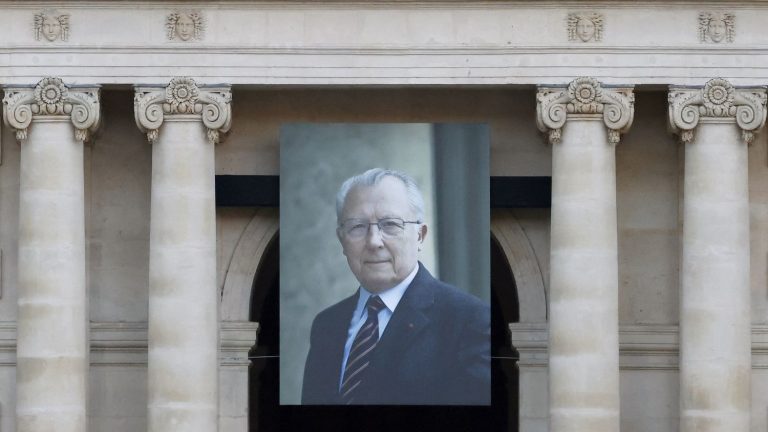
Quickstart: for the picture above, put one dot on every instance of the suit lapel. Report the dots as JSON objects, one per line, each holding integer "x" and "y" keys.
{"x": 339, "y": 339}
{"x": 408, "y": 320}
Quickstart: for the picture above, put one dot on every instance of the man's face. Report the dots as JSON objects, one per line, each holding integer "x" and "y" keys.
{"x": 381, "y": 262}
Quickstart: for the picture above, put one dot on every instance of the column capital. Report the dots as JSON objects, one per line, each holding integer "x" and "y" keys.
{"x": 52, "y": 98}
{"x": 183, "y": 97}
{"x": 584, "y": 96}
{"x": 717, "y": 100}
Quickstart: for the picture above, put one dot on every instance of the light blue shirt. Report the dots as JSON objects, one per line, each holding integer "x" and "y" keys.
{"x": 390, "y": 297}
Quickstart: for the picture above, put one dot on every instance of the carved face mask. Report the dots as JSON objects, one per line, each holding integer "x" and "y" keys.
{"x": 585, "y": 29}
{"x": 51, "y": 28}
{"x": 185, "y": 27}
{"x": 716, "y": 30}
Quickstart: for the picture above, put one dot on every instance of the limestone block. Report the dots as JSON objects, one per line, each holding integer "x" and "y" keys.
{"x": 399, "y": 43}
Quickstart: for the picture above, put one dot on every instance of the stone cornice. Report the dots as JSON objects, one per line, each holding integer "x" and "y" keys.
{"x": 499, "y": 43}
{"x": 396, "y": 65}
{"x": 641, "y": 346}
{"x": 584, "y": 95}
{"x": 379, "y": 4}
{"x": 125, "y": 343}
{"x": 650, "y": 346}
{"x": 51, "y": 98}
{"x": 718, "y": 99}
{"x": 182, "y": 96}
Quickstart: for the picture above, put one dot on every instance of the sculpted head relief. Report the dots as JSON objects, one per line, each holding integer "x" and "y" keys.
{"x": 585, "y": 27}
{"x": 716, "y": 27}
{"x": 51, "y": 26}
{"x": 185, "y": 26}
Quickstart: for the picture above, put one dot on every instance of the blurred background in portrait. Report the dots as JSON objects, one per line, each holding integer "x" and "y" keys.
{"x": 450, "y": 164}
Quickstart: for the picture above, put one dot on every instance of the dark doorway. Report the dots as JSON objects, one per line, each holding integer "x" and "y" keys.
{"x": 264, "y": 405}
{"x": 264, "y": 373}
{"x": 504, "y": 373}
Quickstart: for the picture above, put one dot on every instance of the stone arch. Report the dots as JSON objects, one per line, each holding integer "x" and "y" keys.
{"x": 525, "y": 267}
{"x": 248, "y": 254}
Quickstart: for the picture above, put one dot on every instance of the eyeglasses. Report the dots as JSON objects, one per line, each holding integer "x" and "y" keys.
{"x": 388, "y": 227}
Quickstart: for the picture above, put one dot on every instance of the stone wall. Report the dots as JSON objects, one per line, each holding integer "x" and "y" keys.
{"x": 648, "y": 193}
{"x": 409, "y": 61}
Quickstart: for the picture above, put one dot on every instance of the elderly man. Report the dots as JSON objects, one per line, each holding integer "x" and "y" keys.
{"x": 403, "y": 337}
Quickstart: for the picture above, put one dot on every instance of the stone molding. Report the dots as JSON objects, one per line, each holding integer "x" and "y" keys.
{"x": 7, "y": 343}
{"x": 417, "y": 65}
{"x": 284, "y": 43}
{"x": 182, "y": 97}
{"x": 584, "y": 95}
{"x": 241, "y": 271}
{"x": 641, "y": 347}
{"x": 521, "y": 257}
{"x": 125, "y": 343}
{"x": 718, "y": 99}
{"x": 52, "y": 98}
{"x": 313, "y": 45}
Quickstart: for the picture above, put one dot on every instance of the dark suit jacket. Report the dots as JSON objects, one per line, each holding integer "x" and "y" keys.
{"x": 434, "y": 351}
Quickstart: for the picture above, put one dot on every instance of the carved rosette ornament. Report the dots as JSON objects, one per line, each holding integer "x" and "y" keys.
{"x": 51, "y": 97}
{"x": 183, "y": 97}
{"x": 584, "y": 95}
{"x": 719, "y": 99}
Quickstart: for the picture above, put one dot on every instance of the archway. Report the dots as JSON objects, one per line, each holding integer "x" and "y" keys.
{"x": 263, "y": 376}
{"x": 528, "y": 277}
{"x": 504, "y": 373}
{"x": 237, "y": 292}
{"x": 517, "y": 295}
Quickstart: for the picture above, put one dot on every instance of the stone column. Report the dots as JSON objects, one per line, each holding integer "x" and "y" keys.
{"x": 584, "y": 122}
{"x": 51, "y": 122}
{"x": 183, "y": 298}
{"x": 715, "y": 124}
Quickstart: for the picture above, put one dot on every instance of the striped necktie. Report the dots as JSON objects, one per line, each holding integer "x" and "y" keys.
{"x": 362, "y": 350}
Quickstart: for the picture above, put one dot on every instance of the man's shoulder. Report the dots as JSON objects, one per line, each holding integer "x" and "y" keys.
{"x": 334, "y": 311}
{"x": 450, "y": 297}
{"x": 455, "y": 312}
{"x": 453, "y": 297}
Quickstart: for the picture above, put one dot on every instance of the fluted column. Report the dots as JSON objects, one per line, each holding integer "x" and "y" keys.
{"x": 51, "y": 122}
{"x": 715, "y": 123}
{"x": 584, "y": 122}
{"x": 183, "y": 121}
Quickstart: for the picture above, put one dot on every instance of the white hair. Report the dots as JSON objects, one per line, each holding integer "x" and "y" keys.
{"x": 373, "y": 177}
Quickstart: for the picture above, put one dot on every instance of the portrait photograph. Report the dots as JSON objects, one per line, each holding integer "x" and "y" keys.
{"x": 384, "y": 264}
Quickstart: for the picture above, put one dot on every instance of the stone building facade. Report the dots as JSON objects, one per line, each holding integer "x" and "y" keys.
{"x": 641, "y": 293}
